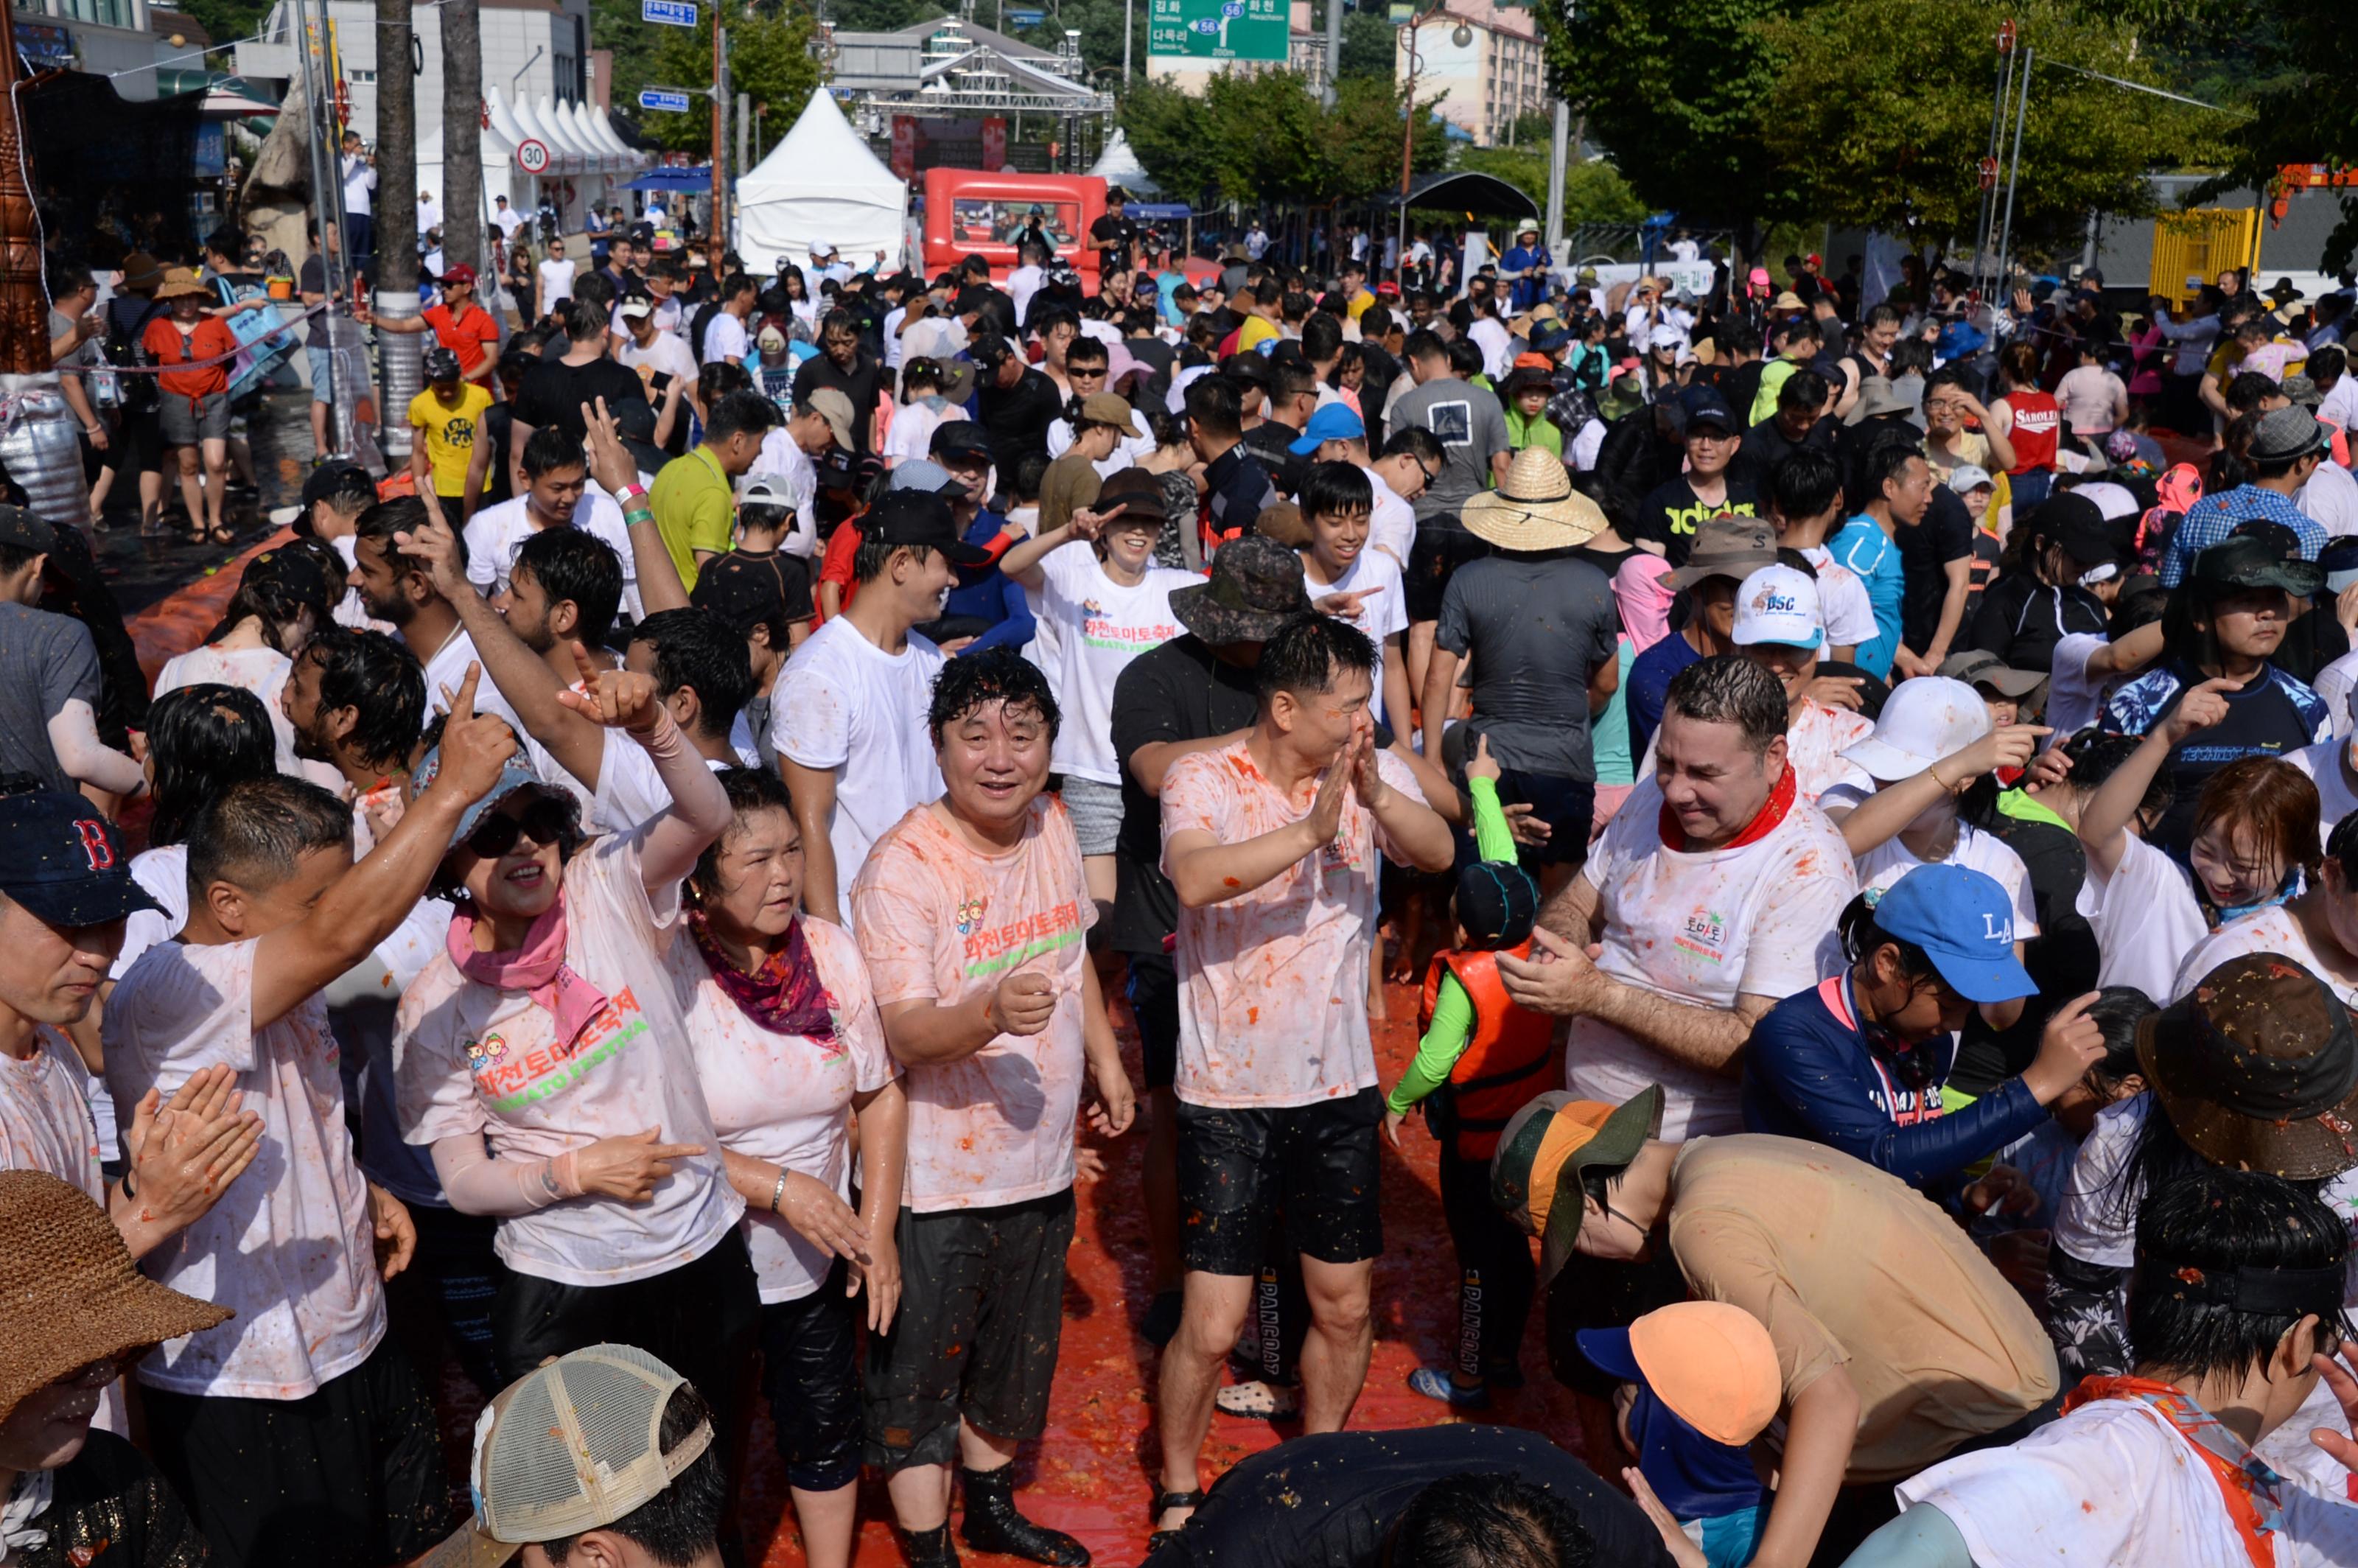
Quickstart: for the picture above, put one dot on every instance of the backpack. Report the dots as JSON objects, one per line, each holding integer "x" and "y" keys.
{"x": 139, "y": 394}
{"x": 695, "y": 327}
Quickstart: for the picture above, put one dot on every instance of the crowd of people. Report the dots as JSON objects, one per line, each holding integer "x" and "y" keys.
{"x": 1866, "y": 833}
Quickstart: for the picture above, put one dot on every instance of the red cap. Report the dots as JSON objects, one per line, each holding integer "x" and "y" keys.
{"x": 462, "y": 273}
{"x": 1388, "y": 290}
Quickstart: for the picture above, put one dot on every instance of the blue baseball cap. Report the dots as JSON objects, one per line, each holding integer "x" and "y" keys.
{"x": 1965, "y": 922}
{"x": 65, "y": 862}
{"x": 513, "y": 777}
{"x": 1335, "y": 422}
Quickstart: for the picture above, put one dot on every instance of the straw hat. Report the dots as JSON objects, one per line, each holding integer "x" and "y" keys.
{"x": 180, "y": 281}
{"x": 63, "y": 1266}
{"x": 1534, "y": 507}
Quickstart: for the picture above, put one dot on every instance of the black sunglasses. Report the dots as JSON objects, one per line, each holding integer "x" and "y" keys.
{"x": 548, "y": 821}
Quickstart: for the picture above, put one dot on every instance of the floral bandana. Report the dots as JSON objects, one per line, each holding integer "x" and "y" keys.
{"x": 785, "y": 995}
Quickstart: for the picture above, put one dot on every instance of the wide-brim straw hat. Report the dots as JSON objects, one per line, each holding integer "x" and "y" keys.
{"x": 74, "y": 1293}
{"x": 1534, "y": 507}
{"x": 180, "y": 282}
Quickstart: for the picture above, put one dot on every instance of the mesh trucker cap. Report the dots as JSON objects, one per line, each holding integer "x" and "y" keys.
{"x": 571, "y": 1447}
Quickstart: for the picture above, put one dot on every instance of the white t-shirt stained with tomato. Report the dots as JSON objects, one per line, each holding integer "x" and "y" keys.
{"x": 474, "y": 1060}
{"x": 784, "y": 1097}
{"x": 289, "y": 1247}
{"x": 1814, "y": 745}
{"x": 1273, "y": 982}
{"x": 1702, "y": 926}
{"x": 1104, "y": 625}
{"x": 942, "y": 922}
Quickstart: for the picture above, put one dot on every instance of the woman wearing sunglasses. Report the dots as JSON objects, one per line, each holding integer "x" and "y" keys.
{"x": 787, "y": 1040}
{"x": 545, "y": 1061}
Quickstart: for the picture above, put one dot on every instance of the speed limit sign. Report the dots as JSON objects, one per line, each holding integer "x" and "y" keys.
{"x": 532, "y": 157}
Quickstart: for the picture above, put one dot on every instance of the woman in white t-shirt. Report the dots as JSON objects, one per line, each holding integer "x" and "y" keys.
{"x": 787, "y": 1042}
{"x": 2256, "y": 837}
{"x": 281, "y": 599}
{"x": 1933, "y": 742}
{"x": 544, "y": 1060}
{"x": 1099, "y": 607}
{"x": 1349, "y": 581}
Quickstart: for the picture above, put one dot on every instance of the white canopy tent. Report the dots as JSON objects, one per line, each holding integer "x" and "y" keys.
{"x": 820, "y": 183}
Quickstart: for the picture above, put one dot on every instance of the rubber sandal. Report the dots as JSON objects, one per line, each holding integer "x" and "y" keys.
{"x": 1163, "y": 1503}
{"x": 1440, "y": 1386}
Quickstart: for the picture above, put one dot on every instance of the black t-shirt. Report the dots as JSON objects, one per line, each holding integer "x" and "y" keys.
{"x": 1122, "y": 230}
{"x": 1851, "y": 446}
{"x": 1016, "y": 420}
{"x": 1671, "y": 512}
{"x": 1179, "y": 691}
{"x": 2262, "y": 721}
{"x": 2063, "y": 959}
{"x": 554, "y": 392}
{"x": 111, "y": 1508}
{"x": 1331, "y": 1500}
{"x": 1765, "y": 445}
{"x": 1945, "y": 535}
{"x": 860, "y": 384}
{"x": 497, "y": 427}
{"x": 1606, "y": 561}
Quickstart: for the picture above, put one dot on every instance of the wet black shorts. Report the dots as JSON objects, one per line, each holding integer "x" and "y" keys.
{"x": 982, "y": 1301}
{"x": 1315, "y": 1163}
{"x": 1154, "y": 1002}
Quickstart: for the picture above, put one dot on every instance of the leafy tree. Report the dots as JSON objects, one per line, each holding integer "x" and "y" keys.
{"x": 224, "y": 21}
{"x": 1593, "y": 191}
{"x": 1674, "y": 91}
{"x": 1370, "y": 46}
{"x": 1263, "y": 136}
{"x": 879, "y": 16}
{"x": 1882, "y": 112}
{"x": 769, "y": 61}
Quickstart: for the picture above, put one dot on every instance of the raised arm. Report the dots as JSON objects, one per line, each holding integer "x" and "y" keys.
{"x": 365, "y": 905}
{"x": 1892, "y": 807}
{"x": 699, "y": 813}
{"x": 1022, "y": 561}
{"x": 1206, "y": 872}
{"x": 617, "y": 472}
{"x": 2104, "y": 820}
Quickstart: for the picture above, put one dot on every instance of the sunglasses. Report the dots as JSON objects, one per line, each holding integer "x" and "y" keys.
{"x": 547, "y": 821}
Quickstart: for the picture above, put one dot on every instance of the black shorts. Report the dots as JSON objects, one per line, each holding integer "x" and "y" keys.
{"x": 983, "y": 1309}
{"x": 350, "y": 1477}
{"x": 1567, "y": 805}
{"x": 1442, "y": 545}
{"x": 810, "y": 1370}
{"x": 1154, "y": 1001}
{"x": 1316, "y": 1164}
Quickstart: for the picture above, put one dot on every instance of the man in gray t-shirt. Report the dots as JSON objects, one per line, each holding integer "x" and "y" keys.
{"x": 1465, "y": 418}
{"x": 45, "y": 661}
{"x": 1543, "y": 632}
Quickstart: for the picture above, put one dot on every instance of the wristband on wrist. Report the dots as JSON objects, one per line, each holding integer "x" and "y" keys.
{"x": 630, "y": 493}
{"x": 778, "y": 1192}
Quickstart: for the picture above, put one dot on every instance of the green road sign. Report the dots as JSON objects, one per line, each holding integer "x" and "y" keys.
{"x": 1218, "y": 30}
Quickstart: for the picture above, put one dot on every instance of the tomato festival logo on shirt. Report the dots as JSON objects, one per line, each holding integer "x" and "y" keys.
{"x": 509, "y": 1081}
{"x": 970, "y": 914}
{"x": 1100, "y": 630}
{"x": 1003, "y": 947}
{"x": 1705, "y": 936}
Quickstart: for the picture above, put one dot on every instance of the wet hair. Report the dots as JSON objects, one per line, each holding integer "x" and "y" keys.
{"x": 1491, "y": 1521}
{"x": 2095, "y": 755}
{"x": 383, "y": 684}
{"x": 1337, "y": 489}
{"x": 2196, "y": 1235}
{"x": 1861, "y": 937}
{"x": 1887, "y": 460}
{"x": 744, "y": 412}
{"x": 353, "y": 493}
{"x": 748, "y": 790}
{"x": 202, "y": 739}
{"x": 273, "y": 600}
{"x": 698, "y": 650}
{"x": 869, "y": 561}
{"x": 1728, "y": 688}
{"x": 584, "y": 321}
{"x": 682, "y": 1523}
{"x": 580, "y": 568}
{"x": 1806, "y": 482}
{"x": 1419, "y": 443}
{"x": 996, "y": 675}
{"x": 1308, "y": 652}
{"x": 552, "y": 447}
{"x": 2269, "y": 801}
{"x": 2118, "y": 1011}
{"x": 254, "y": 833}
{"x": 1804, "y": 389}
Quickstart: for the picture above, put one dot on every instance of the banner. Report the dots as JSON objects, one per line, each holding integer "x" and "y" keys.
{"x": 904, "y": 146}
{"x": 994, "y": 145}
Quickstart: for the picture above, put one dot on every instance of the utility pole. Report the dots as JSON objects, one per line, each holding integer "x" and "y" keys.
{"x": 718, "y": 235}
{"x": 464, "y": 223}
{"x": 1334, "y": 52}
{"x": 744, "y": 130}
{"x": 399, "y": 355}
{"x": 1559, "y": 170}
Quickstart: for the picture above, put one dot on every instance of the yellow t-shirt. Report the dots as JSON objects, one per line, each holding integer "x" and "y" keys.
{"x": 450, "y": 434}
{"x": 1256, "y": 329}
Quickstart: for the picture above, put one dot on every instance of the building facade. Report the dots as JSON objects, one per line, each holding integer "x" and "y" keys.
{"x": 128, "y": 40}
{"x": 1484, "y": 83}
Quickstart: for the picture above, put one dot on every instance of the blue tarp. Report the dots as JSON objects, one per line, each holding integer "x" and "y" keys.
{"x": 685, "y": 179}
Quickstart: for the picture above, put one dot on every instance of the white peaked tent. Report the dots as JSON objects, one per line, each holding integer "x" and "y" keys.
{"x": 821, "y": 183}
{"x": 1117, "y": 165}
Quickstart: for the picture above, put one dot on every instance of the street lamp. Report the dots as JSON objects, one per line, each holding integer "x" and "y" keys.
{"x": 1461, "y": 35}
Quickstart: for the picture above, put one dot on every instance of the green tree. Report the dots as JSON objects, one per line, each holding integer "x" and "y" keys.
{"x": 1593, "y": 191}
{"x": 1370, "y": 46}
{"x": 879, "y": 16}
{"x": 1674, "y": 91}
{"x": 1263, "y": 136}
{"x": 1172, "y": 136}
{"x": 1882, "y": 112}
{"x": 769, "y": 61}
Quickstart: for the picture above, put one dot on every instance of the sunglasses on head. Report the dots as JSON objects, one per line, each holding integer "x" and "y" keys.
{"x": 548, "y": 821}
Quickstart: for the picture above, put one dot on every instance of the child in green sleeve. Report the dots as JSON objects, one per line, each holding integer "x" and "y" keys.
{"x": 1479, "y": 1060}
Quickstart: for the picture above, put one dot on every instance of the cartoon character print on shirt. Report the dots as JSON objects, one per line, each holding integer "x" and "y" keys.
{"x": 997, "y": 950}
{"x": 1100, "y": 630}
{"x": 509, "y": 1080}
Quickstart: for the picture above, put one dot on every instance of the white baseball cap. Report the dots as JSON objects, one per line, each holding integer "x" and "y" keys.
{"x": 1924, "y": 720}
{"x": 1969, "y": 476}
{"x": 1666, "y": 336}
{"x": 1778, "y": 604}
{"x": 2115, "y": 501}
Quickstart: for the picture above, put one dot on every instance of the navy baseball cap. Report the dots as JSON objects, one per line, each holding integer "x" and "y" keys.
{"x": 63, "y": 860}
{"x": 1965, "y": 922}
{"x": 1705, "y": 406}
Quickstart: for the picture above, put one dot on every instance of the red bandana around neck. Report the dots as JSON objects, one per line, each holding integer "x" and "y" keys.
{"x": 785, "y": 995}
{"x": 1779, "y": 802}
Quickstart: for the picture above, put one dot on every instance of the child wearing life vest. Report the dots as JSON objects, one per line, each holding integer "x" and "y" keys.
{"x": 1479, "y": 1059}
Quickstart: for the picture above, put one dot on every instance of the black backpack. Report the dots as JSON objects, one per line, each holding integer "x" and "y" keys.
{"x": 125, "y": 329}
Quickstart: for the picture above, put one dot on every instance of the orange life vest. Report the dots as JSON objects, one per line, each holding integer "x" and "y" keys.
{"x": 1510, "y": 1060}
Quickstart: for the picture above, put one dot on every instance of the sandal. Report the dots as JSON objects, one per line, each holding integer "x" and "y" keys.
{"x": 220, "y": 534}
{"x": 1163, "y": 1503}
